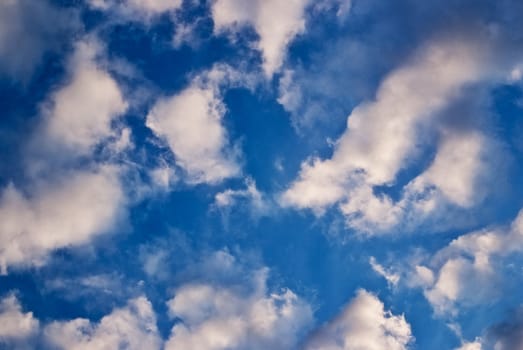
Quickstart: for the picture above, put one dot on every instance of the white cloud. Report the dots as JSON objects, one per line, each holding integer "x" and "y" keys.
{"x": 191, "y": 124}
{"x": 363, "y": 325}
{"x": 391, "y": 277}
{"x": 276, "y": 22}
{"x": 255, "y": 199}
{"x": 466, "y": 272}
{"x": 381, "y": 135}
{"x": 67, "y": 211}
{"x": 458, "y": 164}
{"x": 16, "y": 325}
{"x": 143, "y": 8}
{"x": 476, "y": 345}
{"x": 80, "y": 114}
{"x": 129, "y": 327}
{"x": 241, "y": 313}
{"x": 386, "y": 135}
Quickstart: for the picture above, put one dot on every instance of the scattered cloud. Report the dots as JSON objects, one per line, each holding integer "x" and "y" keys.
{"x": 68, "y": 211}
{"x": 363, "y": 324}
{"x": 17, "y": 326}
{"x": 131, "y": 327}
{"x": 243, "y": 313}
{"x": 191, "y": 123}
{"x": 262, "y": 15}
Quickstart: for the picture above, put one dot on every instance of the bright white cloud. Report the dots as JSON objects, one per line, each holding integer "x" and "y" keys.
{"x": 80, "y": 114}
{"x": 476, "y": 345}
{"x": 384, "y": 136}
{"x": 236, "y": 315}
{"x": 67, "y": 211}
{"x": 16, "y": 324}
{"x": 130, "y": 327}
{"x": 465, "y": 273}
{"x": 363, "y": 325}
{"x": 276, "y": 22}
{"x": 191, "y": 124}
{"x": 458, "y": 164}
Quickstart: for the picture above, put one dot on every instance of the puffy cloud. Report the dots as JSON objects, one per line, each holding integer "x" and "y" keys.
{"x": 476, "y": 345}
{"x": 363, "y": 325}
{"x": 191, "y": 124}
{"x": 236, "y": 315}
{"x": 263, "y": 15}
{"x": 381, "y": 135}
{"x": 387, "y": 135}
{"x": 467, "y": 271}
{"x": 16, "y": 325}
{"x": 129, "y": 327}
{"x": 28, "y": 30}
{"x": 67, "y": 211}
{"x": 79, "y": 115}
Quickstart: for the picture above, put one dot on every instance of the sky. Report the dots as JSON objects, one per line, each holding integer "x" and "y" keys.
{"x": 261, "y": 174}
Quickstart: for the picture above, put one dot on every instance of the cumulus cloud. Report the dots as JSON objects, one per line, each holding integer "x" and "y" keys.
{"x": 65, "y": 212}
{"x": 131, "y": 327}
{"x": 387, "y": 135}
{"x": 79, "y": 115}
{"x": 242, "y": 313}
{"x": 363, "y": 325}
{"x": 191, "y": 122}
{"x": 17, "y": 326}
{"x": 263, "y": 15}
{"x": 466, "y": 272}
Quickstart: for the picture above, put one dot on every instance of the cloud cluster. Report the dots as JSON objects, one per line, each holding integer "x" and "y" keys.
{"x": 17, "y": 326}
{"x": 191, "y": 123}
{"x": 363, "y": 324}
{"x": 130, "y": 327}
{"x": 387, "y": 135}
{"x": 63, "y": 203}
{"x": 263, "y": 15}
{"x": 239, "y": 314}
{"x": 468, "y": 271}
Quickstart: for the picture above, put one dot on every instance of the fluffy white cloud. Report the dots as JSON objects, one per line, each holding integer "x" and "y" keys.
{"x": 386, "y": 135}
{"x": 16, "y": 325}
{"x": 363, "y": 325}
{"x": 236, "y": 315}
{"x": 381, "y": 135}
{"x": 191, "y": 124}
{"x": 129, "y": 327}
{"x": 466, "y": 272}
{"x": 67, "y": 211}
{"x": 476, "y": 345}
{"x": 80, "y": 114}
{"x": 276, "y": 22}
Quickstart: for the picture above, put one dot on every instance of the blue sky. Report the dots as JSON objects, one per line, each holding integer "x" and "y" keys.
{"x": 261, "y": 174}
